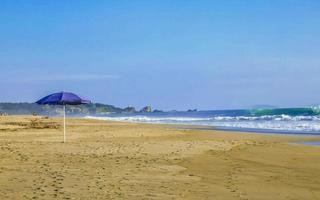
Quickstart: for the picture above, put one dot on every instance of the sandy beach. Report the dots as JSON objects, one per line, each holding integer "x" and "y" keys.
{"x": 115, "y": 160}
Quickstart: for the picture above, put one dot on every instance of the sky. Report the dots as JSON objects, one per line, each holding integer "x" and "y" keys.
{"x": 170, "y": 54}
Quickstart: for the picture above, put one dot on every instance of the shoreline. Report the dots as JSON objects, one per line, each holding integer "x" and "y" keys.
{"x": 228, "y": 129}
{"x": 263, "y": 131}
{"x": 113, "y": 160}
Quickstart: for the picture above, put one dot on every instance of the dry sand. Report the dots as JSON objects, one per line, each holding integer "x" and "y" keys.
{"x": 113, "y": 160}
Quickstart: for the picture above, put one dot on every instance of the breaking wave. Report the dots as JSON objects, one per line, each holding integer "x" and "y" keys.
{"x": 281, "y": 122}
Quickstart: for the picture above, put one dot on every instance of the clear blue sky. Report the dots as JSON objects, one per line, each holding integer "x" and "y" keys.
{"x": 171, "y": 54}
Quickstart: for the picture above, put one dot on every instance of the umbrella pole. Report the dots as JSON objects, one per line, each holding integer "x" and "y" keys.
{"x": 64, "y": 123}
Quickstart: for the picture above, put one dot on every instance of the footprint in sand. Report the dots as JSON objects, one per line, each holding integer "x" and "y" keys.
{"x": 232, "y": 183}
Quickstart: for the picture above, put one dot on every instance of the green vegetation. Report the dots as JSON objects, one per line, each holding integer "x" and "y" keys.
{"x": 32, "y": 108}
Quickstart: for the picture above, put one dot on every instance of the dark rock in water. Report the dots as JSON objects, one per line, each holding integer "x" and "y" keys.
{"x": 157, "y": 111}
{"x": 146, "y": 109}
{"x": 130, "y": 109}
{"x": 192, "y": 110}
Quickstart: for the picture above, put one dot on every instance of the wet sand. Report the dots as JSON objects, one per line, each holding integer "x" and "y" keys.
{"x": 114, "y": 160}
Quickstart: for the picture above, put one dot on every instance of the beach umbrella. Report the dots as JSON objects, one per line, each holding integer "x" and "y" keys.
{"x": 64, "y": 99}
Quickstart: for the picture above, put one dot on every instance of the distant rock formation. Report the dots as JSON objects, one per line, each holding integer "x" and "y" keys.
{"x": 146, "y": 109}
{"x": 77, "y": 110}
{"x": 192, "y": 110}
{"x": 130, "y": 109}
{"x": 264, "y": 107}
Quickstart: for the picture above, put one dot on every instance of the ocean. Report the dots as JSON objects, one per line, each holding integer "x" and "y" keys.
{"x": 281, "y": 120}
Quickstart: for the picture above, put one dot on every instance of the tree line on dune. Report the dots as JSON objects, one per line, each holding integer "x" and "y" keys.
{"x": 86, "y": 109}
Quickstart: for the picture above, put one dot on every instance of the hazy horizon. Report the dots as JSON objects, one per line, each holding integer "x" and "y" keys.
{"x": 171, "y": 55}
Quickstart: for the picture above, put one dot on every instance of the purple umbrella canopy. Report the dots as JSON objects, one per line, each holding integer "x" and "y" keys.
{"x": 63, "y": 98}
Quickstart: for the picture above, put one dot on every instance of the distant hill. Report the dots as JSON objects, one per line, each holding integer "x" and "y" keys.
{"x": 31, "y": 108}
{"x": 264, "y": 107}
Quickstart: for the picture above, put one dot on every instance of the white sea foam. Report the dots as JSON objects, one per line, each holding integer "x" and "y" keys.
{"x": 151, "y": 119}
{"x": 276, "y": 122}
